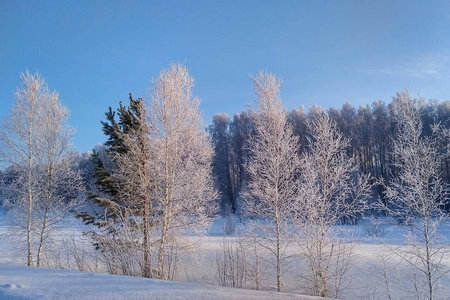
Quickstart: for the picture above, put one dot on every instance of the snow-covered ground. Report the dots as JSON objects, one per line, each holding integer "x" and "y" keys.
{"x": 18, "y": 282}
{"x": 368, "y": 275}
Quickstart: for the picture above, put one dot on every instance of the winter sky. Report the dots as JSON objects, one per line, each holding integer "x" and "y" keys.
{"x": 328, "y": 52}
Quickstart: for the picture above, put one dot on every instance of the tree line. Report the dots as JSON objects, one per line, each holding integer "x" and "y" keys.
{"x": 371, "y": 131}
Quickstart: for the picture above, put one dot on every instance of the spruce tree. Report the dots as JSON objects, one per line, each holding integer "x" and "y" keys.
{"x": 119, "y": 207}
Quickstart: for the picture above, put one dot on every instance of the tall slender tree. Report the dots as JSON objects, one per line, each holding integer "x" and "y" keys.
{"x": 273, "y": 166}
{"x": 135, "y": 173}
{"x": 58, "y": 165}
{"x": 330, "y": 191}
{"x": 19, "y": 136}
{"x": 221, "y": 163}
{"x": 124, "y": 183}
{"x": 417, "y": 197}
{"x": 241, "y": 130}
{"x": 35, "y": 139}
{"x": 183, "y": 161}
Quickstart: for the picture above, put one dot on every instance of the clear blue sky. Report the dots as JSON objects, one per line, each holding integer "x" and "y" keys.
{"x": 328, "y": 52}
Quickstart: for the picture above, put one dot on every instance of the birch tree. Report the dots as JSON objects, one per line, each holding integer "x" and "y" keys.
{"x": 35, "y": 139}
{"x": 19, "y": 135}
{"x": 60, "y": 180}
{"x": 273, "y": 168}
{"x": 417, "y": 198}
{"x": 330, "y": 192}
{"x": 183, "y": 161}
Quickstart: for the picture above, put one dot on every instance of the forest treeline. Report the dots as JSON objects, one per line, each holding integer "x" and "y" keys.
{"x": 371, "y": 130}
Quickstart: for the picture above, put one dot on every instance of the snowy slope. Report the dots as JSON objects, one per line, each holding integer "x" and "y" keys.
{"x": 18, "y": 282}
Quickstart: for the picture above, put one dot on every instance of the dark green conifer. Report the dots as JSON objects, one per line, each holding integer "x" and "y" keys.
{"x": 112, "y": 210}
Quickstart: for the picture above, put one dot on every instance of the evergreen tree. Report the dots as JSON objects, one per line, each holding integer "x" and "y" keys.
{"x": 120, "y": 219}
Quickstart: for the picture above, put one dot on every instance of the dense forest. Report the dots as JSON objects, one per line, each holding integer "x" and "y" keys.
{"x": 371, "y": 130}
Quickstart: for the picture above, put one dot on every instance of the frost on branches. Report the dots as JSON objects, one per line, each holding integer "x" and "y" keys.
{"x": 45, "y": 183}
{"x": 331, "y": 192}
{"x": 185, "y": 200}
{"x": 158, "y": 188}
{"x": 272, "y": 167}
{"x": 417, "y": 197}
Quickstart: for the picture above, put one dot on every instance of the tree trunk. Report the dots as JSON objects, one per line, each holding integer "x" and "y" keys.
{"x": 165, "y": 218}
{"x": 147, "y": 250}
{"x": 277, "y": 223}
{"x": 30, "y": 219}
{"x": 30, "y": 196}
{"x": 323, "y": 288}
{"x": 48, "y": 197}
{"x": 42, "y": 238}
{"x": 147, "y": 272}
{"x": 428, "y": 260}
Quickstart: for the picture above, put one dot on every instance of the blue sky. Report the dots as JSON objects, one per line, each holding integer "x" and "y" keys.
{"x": 328, "y": 52}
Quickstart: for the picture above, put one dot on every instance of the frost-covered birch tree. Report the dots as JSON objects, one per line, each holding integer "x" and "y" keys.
{"x": 35, "y": 139}
{"x": 417, "y": 198}
{"x": 59, "y": 179}
{"x": 19, "y": 136}
{"x": 273, "y": 169}
{"x": 330, "y": 191}
{"x": 183, "y": 163}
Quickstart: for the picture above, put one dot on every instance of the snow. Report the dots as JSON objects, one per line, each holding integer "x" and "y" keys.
{"x": 20, "y": 282}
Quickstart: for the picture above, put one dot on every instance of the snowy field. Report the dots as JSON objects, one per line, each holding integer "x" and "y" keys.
{"x": 18, "y": 282}
{"x": 372, "y": 275}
